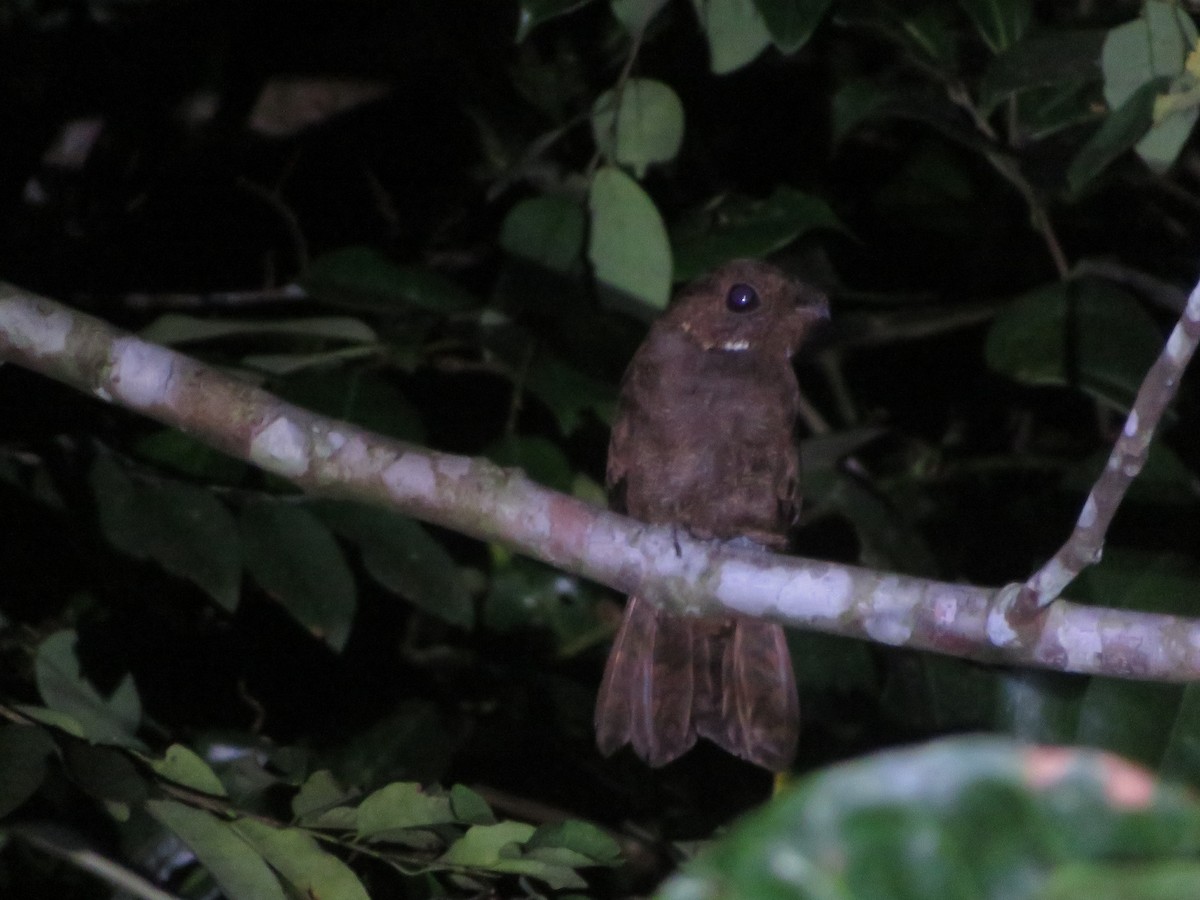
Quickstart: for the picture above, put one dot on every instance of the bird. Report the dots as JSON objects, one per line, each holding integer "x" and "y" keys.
{"x": 704, "y": 439}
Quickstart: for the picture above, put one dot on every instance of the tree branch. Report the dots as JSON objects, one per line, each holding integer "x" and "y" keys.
{"x": 1086, "y": 542}
{"x": 333, "y": 458}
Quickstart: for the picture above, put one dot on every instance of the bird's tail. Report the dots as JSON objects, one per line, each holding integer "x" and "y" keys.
{"x": 671, "y": 679}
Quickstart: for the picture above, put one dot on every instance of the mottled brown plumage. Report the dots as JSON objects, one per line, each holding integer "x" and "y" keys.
{"x": 704, "y": 438}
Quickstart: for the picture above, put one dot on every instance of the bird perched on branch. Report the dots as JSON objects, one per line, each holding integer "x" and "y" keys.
{"x": 704, "y": 438}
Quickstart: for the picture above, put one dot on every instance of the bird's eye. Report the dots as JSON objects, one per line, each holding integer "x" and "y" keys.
{"x": 741, "y": 298}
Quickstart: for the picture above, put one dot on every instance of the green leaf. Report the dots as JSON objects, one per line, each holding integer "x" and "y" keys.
{"x": 527, "y": 594}
{"x": 741, "y": 227}
{"x": 792, "y": 22}
{"x": 1146, "y": 51}
{"x": 295, "y": 559}
{"x": 173, "y": 329}
{"x": 1042, "y": 59}
{"x": 628, "y": 247}
{"x": 237, "y": 868}
{"x": 962, "y": 817}
{"x": 183, "y": 528}
{"x": 23, "y": 752}
{"x": 547, "y": 231}
{"x": 646, "y": 127}
{"x": 485, "y": 845}
{"x": 1119, "y": 131}
{"x": 43, "y": 715}
{"x": 1086, "y": 334}
{"x": 307, "y": 869}
{"x": 534, "y": 12}
{"x": 112, "y": 720}
{"x": 398, "y": 806}
{"x": 399, "y": 553}
{"x": 735, "y": 30}
{"x": 104, "y": 772}
{"x": 541, "y": 459}
{"x": 635, "y": 15}
{"x": 580, "y": 837}
{"x": 319, "y": 793}
{"x": 185, "y": 455}
{"x": 469, "y": 807}
{"x": 363, "y": 277}
{"x": 1127, "y": 717}
{"x": 1171, "y": 880}
{"x": 183, "y": 766}
{"x": 1155, "y": 45}
{"x": 1001, "y": 23}
{"x": 362, "y": 397}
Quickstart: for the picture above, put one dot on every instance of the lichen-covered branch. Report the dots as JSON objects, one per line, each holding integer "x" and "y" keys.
{"x": 1086, "y": 542}
{"x": 664, "y": 566}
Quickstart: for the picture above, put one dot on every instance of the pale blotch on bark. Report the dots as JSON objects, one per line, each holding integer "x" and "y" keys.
{"x": 281, "y": 448}
{"x": 411, "y": 477}
{"x": 140, "y": 373}
{"x": 40, "y": 332}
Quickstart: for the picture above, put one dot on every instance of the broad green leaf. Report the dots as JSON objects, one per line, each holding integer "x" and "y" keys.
{"x": 1181, "y": 757}
{"x": 526, "y": 594}
{"x": 1121, "y": 130}
{"x": 628, "y": 247}
{"x": 635, "y": 15}
{"x": 735, "y": 30}
{"x": 104, "y": 772}
{"x": 592, "y": 844}
{"x": 1086, "y": 334}
{"x": 485, "y": 845}
{"x": 400, "y": 554}
{"x": 1001, "y": 23}
{"x": 361, "y": 397}
{"x": 295, "y": 559}
{"x": 237, "y": 868}
{"x": 1042, "y": 59}
{"x": 1155, "y": 45}
{"x": 548, "y": 231}
{"x": 173, "y": 329}
{"x": 307, "y": 869}
{"x": 1171, "y": 880}
{"x": 54, "y": 718}
{"x": 639, "y": 124}
{"x": 792, "y": 22}
{"x": 534, "y": 12}
{"x": 1146, "y": 51}
{"x": 741, "y": 227}
{"x": 1128, "y": 717}
{"x": 961, "y": 817}
{"x": 23, "y": 752}
{"x": 183, "y": 766}
{"x": 541, "y": 459}
{"x": 401, "y": 805}
{"x": 363, "y": 277}
{"x": 319, "y": 793}
{"x": 469, "y": 807}
{"x": 185, "y": 455}
{"x": 60, "y": 682}
{"x": 856, "y": 101}
{"x": 183, "y": 528}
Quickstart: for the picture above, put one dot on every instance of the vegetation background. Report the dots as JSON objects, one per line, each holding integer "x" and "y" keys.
{"x": 449, "y": 222}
